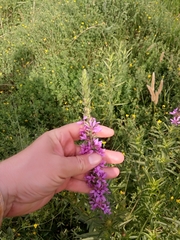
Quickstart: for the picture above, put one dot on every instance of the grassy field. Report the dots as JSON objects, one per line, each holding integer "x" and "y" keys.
{"x": 44, "y": 47}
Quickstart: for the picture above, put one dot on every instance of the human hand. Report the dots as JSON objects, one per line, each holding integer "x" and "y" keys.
{"x": 49, "y": 165}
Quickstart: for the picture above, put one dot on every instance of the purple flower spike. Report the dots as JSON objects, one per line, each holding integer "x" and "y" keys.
{"x": 96, "y": 178}
{"x": 176, "y": 119}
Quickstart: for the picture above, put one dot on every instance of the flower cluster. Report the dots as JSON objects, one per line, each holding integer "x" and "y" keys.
{"x": 96, "y": 178}
{"x": 176, "y": 119}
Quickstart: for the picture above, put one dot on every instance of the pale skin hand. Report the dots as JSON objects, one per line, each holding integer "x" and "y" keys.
{"x": 49, "y": 165}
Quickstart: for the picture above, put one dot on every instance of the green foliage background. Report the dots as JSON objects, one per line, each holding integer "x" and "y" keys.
{"x": 44, "y": 46}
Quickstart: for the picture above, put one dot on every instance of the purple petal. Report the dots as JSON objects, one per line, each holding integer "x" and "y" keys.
{"x": 174, "y": 112}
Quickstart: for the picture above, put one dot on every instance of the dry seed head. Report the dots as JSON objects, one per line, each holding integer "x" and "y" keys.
{"x": 160, "y": 87}
{"x": 155, "y": 94}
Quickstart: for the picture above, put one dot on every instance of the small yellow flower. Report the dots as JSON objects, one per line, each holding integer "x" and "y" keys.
{"x": 178, "y": 200}
{"x": 122, "y": 192}
{"x": 149, "y": 75}
{"x": 159, "y": 121}
{"x": 130, "y": 64}
{"x": 163, "y": 106}
{"x": 34, "y": 233}
{"x": 75, "y": 37}
{"x": 36, "y": 225}
{"x": 133, "y": 116}
{"x": 104, "y": 143}
{"x": 127, "y": 115}
{"x": 172, "y": 197}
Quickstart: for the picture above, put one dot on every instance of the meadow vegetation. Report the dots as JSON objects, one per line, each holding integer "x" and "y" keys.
{"x": 44, "y": 47}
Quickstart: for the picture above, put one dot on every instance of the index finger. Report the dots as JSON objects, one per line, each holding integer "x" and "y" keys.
{"x": 73, "y": 129}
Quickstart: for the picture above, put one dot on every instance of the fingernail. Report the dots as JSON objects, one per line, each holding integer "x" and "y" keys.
{"x": 94, "y": 159}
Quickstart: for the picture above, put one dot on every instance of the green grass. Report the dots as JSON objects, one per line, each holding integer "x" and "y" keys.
{"x": 44, "y": 46}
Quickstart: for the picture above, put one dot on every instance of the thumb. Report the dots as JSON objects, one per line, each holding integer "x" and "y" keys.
{"x": 72, "y": 166}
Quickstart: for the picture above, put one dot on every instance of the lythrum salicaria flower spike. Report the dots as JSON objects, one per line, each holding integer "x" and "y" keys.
{"x": 86, "y": 93}
{"x": 155, "y": 94}
{"x": 176, "y": 116}
{"x": 96, "y": 178}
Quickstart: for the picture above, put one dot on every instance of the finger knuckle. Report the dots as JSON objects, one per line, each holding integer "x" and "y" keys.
{"x": 81, "y": 163}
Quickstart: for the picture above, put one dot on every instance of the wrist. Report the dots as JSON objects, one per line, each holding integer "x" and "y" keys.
{"x": 6, "y": 200}
{"x": 1, "y": 208}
